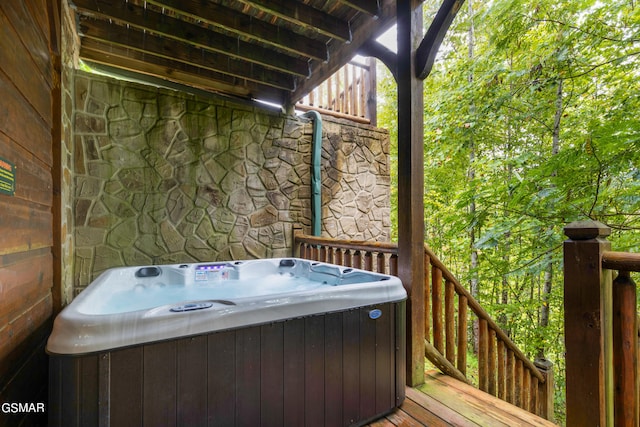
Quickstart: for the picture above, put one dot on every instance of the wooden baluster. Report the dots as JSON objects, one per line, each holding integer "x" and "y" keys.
{"x": 427, "y": 297}
{"x": 511, "y": 373}
{"x": 436, "y": 306}
{"x": 483, "y": 355}
{"x": 449, "y": 320}
{"x": 300, "y": 250}
{"x": 347, "y": 258}
{"x": 330, "y": 254}
{"x": 362, "y": 94}
{"x": 314, "y": 252}
{"x": 353, "y": 110}
{"x": 533, "y": 401}
{"x": 625, "y": 350}
{"x": 380, "y": 263}
{"x": 517, "y": 383}
{"x": 462, "y": 334}
{"x": 311, "y": 98}
{"x": 526, "y": 389}
{"x": 307, "y": 251}
{"x": 368, "y": 261}
{"x": 501, "y": 361}
{"x": 393, "y": 265}
{"x": 321, "y": 95}
{"x": 337, "y": 256}
{"x": 357, "y": 260}
{"x": 345, "y": 89}
{"x": 491, "y": 361}
{"x": 323, "y": 254}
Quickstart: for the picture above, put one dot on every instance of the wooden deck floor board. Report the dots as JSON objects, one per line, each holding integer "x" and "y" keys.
{"x": 445, "y": 402}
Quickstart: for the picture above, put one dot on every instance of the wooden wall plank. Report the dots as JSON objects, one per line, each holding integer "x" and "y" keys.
{"x": 33, "y": 177}
{"x": 23, "y": 227}
{"x": 34, "y": 39}
{"x": 12, "y": 335}
{"x": 20, "y": 122}
{"x": 21, "y": 284}
{"x": 22, "y": 71}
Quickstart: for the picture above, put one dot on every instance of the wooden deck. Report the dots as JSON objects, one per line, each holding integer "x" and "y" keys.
{"x": 444, "y": 401}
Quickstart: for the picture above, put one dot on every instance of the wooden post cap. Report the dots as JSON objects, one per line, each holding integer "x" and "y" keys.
{"x": 586, "y": 230}
{"x": 543, "y": 364}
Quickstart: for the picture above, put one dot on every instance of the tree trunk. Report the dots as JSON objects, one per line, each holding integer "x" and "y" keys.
{"x": 548, "y": 274}
{"x": 471, "y": 174}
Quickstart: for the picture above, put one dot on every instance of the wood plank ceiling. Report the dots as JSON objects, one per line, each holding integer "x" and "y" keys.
{"x": 271, "y": 50}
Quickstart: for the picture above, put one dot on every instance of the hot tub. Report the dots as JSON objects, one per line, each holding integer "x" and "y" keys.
{"x": 262, "y": 342}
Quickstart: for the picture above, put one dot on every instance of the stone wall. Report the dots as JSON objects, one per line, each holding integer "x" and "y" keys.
{"x": 161, "y": 176}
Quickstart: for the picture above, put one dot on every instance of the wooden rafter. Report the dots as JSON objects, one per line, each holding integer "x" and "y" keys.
{"x": 179, "y": 52}
{"x": 248, "y": 26}
{"x": 305, "y": 16}
{"x": 174, "y": 29}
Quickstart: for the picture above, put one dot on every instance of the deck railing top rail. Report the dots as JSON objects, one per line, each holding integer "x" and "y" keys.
{"x": 624, "y": 261}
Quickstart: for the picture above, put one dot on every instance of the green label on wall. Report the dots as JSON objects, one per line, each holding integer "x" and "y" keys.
{"x": 7, "y": 177}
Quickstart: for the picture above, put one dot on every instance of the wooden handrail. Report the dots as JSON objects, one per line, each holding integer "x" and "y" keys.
{"x": 481, "y": 313}
{"x": 625, "y": 261}
{"x": 518, "y": 380}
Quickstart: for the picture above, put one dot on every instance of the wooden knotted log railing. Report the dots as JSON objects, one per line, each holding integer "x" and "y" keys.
{"x": 601, "y": 329}
{"x": 503, "y": 370}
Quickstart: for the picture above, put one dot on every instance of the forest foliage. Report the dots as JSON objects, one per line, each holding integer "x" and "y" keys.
{"x": 532, "y": 121}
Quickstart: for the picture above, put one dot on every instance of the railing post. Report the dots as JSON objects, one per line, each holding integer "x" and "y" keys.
{"x": 545, "y": 389}
{"x": 588, "y": 325}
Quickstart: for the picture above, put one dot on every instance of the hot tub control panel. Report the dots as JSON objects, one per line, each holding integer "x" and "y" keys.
{"x": 213, "y": 272}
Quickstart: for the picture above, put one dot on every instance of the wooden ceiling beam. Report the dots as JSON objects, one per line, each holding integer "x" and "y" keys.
{"x": 181, "y": 52}
{"x": 247, "y": 26}
{"x": 138, "y": 62}
{"x": 306, "y": 16}
{"x": 158, "y": 23}
{"x": 370, "y": 7}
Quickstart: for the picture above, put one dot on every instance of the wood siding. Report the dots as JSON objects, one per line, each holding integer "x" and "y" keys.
{"x": 28, "y": 112}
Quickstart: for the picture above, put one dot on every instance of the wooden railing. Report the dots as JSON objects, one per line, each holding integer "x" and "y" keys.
{"x": 601, "y": 329}
{"x": 349, "y": 93}
{"x": 503, "y": 370}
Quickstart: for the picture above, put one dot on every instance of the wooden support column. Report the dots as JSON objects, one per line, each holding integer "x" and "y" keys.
{"x": 588, "y": 325}
{"x": 411, "y": 184}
